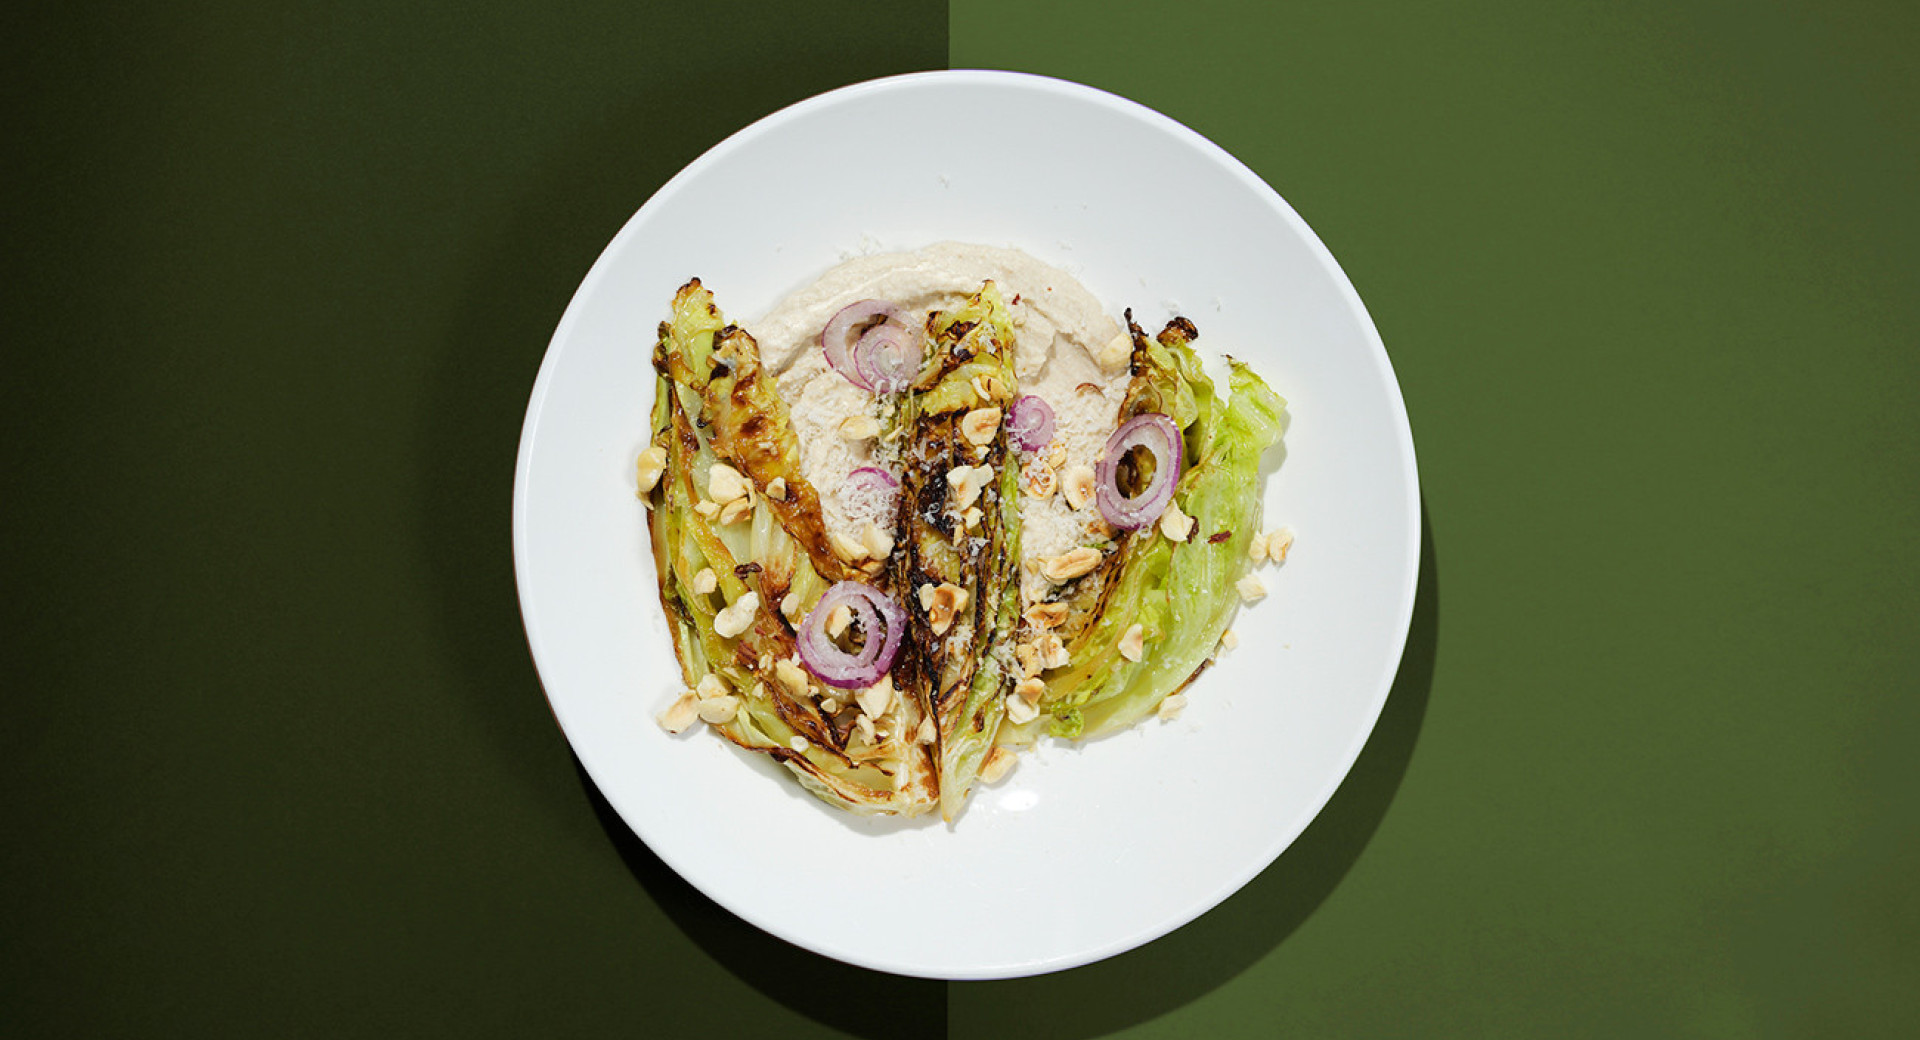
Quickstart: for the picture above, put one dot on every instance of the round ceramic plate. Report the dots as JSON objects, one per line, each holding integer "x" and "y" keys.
{"x": 1083, "y": 851}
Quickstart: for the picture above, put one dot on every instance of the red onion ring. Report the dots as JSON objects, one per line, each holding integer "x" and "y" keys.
{"x": 839, "y": 337}
{"x": 1161, "y": 438}
{"x": 888, "y": 357}
{"x": 882, "y": 622}
{"x": 1030, "y": 423}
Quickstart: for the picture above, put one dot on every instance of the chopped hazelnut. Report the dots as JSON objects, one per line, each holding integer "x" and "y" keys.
{"x": 680, "y": 714}
{"x": 707, "y": 508}
{"x": 998, "y": 763}
{"x": 1251, "y": 588}
{"x": 777, "y": 489}
{"x": 1031, "y": 690}
{"x": 1175, "y": 524}
{"x": 1116, "y": 355}
{"x": 792, "y": 676}
{"x": 946, "y": 602}
{"x": 735, "y": 511}
{"x": 718, "y": 711}
{"x": 1077, "y": 484}
{"x": 1071, "y": 564}
{"x": 1053, "y": 652}
{"x": 1039, "y": 479}
{"x": 705, "y": 581}
{"x": 724, "y": 483}
{"x": 653, "y": 462}
{"x": 1056, "y": 453}
{"x": 926, "y": 596}
{"x": 829, "y": 706}
{"x": 979, "y": 426}
{"x": 865, "y": 722}
{"x": 1029, "y": 657}
{"x": 838, "y": 619}
{"x": 1047, "y": 615}
{"x": 1279, "y": 541}
{"x": 972, "y": 517}
{"x": 1228, "y": 640}
{"x": 876, "y": 699}
{"x": 710, "y": 686}
{"x": 1020, "y": 711}
{"x": 1133, "y": 643}
{"x": 879, "y": 543}
{"x": 846, "y": 548}
{"x": 797, "y": 742}
{"x": 965, "y": 483}
{"x": 924, "y": 734}
{"x": 737, "y": 618}
{"x": 859, "y": 428}
{"x": 790, "y": 609}
{"x": 1172, "y": 707}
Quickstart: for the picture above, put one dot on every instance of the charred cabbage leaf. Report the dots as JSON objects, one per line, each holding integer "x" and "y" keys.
{"x": 960, "y": 513}
{"x": 719, "y": 408}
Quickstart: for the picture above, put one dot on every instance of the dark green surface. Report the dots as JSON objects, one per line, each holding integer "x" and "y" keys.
{"x": 278, "y": 281}
{"x": 1647, "y": 278}
{"x": 276, "y": 288}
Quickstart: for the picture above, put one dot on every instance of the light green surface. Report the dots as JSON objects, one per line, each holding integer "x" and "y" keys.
{"x": 1646, "y": 276}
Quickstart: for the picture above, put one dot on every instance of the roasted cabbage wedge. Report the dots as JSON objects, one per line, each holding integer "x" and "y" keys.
{"x": 1181, "y": 594}
{"x": 715, "y": 405}
{"x": 960, "y": 511}
{"x": 743, "y": 555}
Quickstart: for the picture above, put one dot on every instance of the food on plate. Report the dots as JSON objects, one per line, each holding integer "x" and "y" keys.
{"x": 940, "y": 505}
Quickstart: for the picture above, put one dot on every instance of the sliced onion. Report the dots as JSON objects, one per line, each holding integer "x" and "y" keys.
{"x": 881, "y": 621}
{"x": 1161, "y": 438}
{"x": 870, "y": 493}
{"x": 888, "y": 357}
{"x": 847, "y": 327}
{"x": 1030, "y": 423}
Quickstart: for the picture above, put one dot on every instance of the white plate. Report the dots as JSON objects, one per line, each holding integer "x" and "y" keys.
{"x": 1081, "y": 853}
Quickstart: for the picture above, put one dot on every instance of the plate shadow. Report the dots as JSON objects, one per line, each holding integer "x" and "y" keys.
{"x": 1185, "y": 965}
{"x": 857, "y": 1001}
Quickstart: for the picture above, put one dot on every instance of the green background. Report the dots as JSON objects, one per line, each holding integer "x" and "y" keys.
{"x": 276, "y": 286}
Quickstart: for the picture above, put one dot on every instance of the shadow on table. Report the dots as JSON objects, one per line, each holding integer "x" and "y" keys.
{"x": 1189, "y": 963}
{"x": 533, "y": 247}
{"x": 858, "y": 1001}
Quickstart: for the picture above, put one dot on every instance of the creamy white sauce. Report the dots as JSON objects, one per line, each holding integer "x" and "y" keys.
{"x": 1060, "y": 330}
